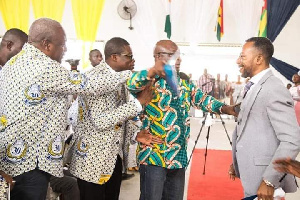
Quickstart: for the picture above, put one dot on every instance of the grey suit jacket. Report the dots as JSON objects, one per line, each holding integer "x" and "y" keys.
{"x": 266, "y": 130}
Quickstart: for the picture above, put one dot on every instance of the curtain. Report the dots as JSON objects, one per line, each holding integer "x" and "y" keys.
{"x": 46, "y": 8}
{"x": 148, "y": 24}
{"x": 144, "y": 23}
{"x": 279, "y": 12}
{"x": 201, "y": 19}
{"x": 15, "y": 14}
{"x": 246, "y": 16}
{"x": 87, "y": 16}
{"x": 283, "y": 68}
{"x": 178, "y": 14}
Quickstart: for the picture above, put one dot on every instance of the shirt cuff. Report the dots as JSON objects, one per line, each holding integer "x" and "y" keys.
{"x": 133, "y": 138}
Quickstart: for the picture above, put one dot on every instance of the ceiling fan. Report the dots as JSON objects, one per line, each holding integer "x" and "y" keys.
{"x": 127, "y": 9}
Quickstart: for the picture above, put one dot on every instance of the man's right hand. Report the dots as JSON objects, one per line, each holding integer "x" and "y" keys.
{"x": 157, "y": 69}
{"x": 231, "y": 173}
{"x": 7, "y": 178}
{"x": 230, "y": 110}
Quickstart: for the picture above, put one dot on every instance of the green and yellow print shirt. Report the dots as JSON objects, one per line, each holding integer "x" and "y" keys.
{"x": 167, "y": 116}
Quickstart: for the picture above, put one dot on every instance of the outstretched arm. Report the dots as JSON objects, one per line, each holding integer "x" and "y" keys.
{"x": 128, "y": 110}
{"x": 58, "y": 80}
{"x": 139, "y": 80}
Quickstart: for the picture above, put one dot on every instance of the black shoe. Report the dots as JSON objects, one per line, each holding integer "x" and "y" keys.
{"x": 127, "y": 176}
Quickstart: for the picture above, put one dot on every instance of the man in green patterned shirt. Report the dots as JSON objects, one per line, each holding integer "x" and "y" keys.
{"x": 162, "y": 168}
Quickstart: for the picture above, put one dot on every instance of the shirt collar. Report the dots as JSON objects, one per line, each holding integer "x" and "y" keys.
{"x": 255, "y": 79}
{"x": 36, "y": 53}
{"x": 111, "y": 70}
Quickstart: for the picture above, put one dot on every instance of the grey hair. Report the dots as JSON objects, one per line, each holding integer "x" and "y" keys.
{"x": 43, "y": 29}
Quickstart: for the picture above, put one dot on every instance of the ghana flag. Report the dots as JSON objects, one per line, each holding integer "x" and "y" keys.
{"x": 220, "y": 25}
{"x": 263, "y": 21}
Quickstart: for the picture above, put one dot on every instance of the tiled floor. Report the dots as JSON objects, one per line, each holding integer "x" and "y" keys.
{"x": 217, "y": 140}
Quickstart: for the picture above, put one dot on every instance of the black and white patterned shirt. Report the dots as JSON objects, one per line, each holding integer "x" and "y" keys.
{"x": 33, "y": 109}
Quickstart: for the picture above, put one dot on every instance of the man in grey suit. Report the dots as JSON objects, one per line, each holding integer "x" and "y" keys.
{"x": 266, "y": 127}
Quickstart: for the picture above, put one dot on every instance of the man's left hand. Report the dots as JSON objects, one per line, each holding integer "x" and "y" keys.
{"x": 265, "y": 192}
{"x": 146, "y": 138}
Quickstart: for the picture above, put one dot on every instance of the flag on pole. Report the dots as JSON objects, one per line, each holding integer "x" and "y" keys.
{"x": 168, "y": 26}
{"x": 263, "y": 21}
{"x": 220, "y": 25}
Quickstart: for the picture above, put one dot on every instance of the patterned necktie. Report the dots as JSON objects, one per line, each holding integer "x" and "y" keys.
{"x": 247, "y": 87}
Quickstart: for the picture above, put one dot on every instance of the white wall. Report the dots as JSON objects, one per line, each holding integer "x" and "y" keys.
{"x": 213, "y": 57}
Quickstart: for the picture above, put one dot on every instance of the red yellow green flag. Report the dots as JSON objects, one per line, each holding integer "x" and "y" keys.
{"x": 220, "y": 24}
{"x": 263, "y": 21}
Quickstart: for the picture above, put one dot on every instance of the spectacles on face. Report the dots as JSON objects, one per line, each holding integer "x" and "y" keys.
{"x": 127, "y": 55}
{"x": 165, "y": 53}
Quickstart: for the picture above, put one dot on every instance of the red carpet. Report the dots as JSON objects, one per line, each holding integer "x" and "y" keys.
{"x": 215, "y": 184}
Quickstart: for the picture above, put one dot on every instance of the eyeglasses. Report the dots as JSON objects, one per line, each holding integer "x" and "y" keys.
{"x": 128, "y": 56}
{"x": 167, "y": 53}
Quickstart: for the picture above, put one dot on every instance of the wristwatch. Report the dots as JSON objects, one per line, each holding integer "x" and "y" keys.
{"x": 268, "y": 183}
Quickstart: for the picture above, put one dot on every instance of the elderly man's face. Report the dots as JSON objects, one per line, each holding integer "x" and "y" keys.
{"x": 58, "y": 46}
{"x": 163, "y": 52}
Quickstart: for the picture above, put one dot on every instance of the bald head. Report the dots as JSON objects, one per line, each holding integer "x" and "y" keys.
{"x": 165, "y": 45}
{"x": 164, "y": 49}
{"x": 43, "y": 29}
{"x": 11, "y": 44}
{"x": 48, "y": 36}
